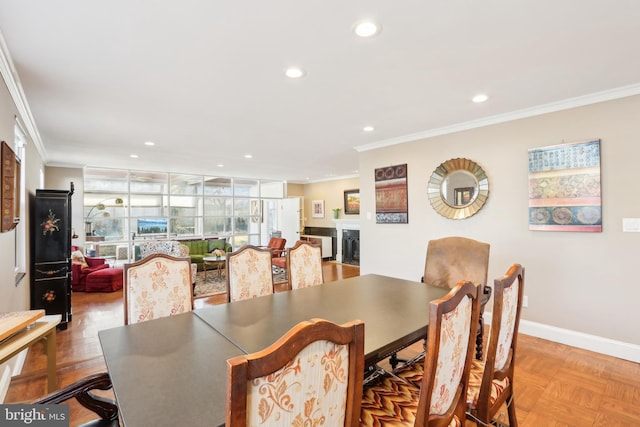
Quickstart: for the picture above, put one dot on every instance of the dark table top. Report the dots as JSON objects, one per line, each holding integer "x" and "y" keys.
{"x": 169, "y": 371}
{"x": 395, "y": 313}
{"x": 172, "y": 371}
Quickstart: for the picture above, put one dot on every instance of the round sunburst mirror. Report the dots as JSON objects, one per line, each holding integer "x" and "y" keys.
{"x": 458, "y": 188}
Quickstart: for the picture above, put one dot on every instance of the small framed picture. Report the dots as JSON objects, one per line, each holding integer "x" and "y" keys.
{"x": 352, "y": 202}
{"x": 317, "y": 208}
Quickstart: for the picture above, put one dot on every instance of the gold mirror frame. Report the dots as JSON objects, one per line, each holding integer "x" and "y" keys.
{"x": 434, "y": 190}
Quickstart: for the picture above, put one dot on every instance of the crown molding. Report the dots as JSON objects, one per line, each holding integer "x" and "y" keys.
{"x": 552, "y": 107}
{"x": 11, "y": 79}
{"x": 328, "y": 179}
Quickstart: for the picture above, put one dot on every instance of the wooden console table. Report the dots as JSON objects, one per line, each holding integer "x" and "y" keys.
{"x": 18, "y": 337}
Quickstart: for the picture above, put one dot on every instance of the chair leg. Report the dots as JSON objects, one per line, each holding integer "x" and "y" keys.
{"x": 511, "y": 409}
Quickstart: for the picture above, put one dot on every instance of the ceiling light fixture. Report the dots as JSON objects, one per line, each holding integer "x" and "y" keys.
{"x": 248, "y": 156}
{"x": 294, "y": 72}
{"x": 133, "y": 156}
{"x": 366, "y": 29}
{"x": 220, "y": 165}
{"x": 150, "y": 143}
{"x": 368, "y": 128}
{"x": 481, "y": 97}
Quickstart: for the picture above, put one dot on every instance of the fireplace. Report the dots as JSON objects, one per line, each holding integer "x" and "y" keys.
{"x": 351, "y": 247}
{"x": 348, "y": 239}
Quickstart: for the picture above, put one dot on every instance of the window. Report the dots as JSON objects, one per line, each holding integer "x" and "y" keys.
{"x": 20, "y": 232}
{"x": 120, "y": 206}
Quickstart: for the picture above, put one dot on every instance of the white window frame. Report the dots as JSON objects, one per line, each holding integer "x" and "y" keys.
{"x": 20, "y": 257}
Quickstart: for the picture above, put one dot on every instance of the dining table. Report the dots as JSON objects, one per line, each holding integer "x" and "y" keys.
{"x": 172, "y": 371}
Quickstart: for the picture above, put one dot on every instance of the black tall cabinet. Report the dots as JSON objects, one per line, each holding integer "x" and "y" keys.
{"x": 51, "y": 253}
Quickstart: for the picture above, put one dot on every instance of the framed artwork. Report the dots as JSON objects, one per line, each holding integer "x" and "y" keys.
{"x": 352, "y": 202}
{"x": 317, "y": 208}
{"x": 392, "y": 206}
{"x": 564, "y": 187}
{"x": 10, "y": 188}
{"x": 256, "y": 215}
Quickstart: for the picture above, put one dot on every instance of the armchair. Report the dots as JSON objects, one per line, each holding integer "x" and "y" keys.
{"x": 276, "y": 245}
{"x": 81, "y": 267}
{"x": 82, "y": 392}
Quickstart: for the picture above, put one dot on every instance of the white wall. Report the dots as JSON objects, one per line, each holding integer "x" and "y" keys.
{"x": 332, "y": 192}
{"x": 16, "y": 297}
{"x": 58, "y": 178}
{"x": 582, "y": 282}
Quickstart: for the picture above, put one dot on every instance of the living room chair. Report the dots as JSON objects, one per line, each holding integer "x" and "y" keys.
{"x": 157, "y": 286}
{"x": 81, "y": 267}
{"x": 304, "y": 265}
{"x": 278, "y": 253}
{"x": 311, "y": 376}
{"x": 82, "y": 392}
{"x": 434, "y": 393}
{"x": 249, "y": 273}
{"x": 276, "y": 245}
{"x": 452, "y": 259}
{"x": 491, "y": 380}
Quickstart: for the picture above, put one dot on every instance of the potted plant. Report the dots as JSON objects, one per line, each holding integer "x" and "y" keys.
{"x": 336, "y": 213}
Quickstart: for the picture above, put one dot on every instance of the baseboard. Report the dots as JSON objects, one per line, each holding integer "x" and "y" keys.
{"x": 589, "y": 342}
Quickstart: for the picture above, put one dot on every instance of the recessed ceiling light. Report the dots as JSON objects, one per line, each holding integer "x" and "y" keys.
{"x": 133, "y": 156}
{"x": 248, "y": 156}
{"x": 150, "y": 143}
{"x": 368, "y": 128}
{"x": 220, "y": 165}
{"x": 366, "y": 29}
{"x": 294, "y": 72}
{"x": 481, "y": 97}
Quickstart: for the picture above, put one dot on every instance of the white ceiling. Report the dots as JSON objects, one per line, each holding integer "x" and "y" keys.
{"x": 205, "y": 79}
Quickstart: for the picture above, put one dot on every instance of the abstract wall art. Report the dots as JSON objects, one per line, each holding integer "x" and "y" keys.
{"x": 391, "y": 195}
{"x": 564, "y": 187}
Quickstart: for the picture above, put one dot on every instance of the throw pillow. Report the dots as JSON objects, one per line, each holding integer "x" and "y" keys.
{"x": 77, "y": 256}
{"x": 94, "y": 261}
{"x": 217, "y": 244}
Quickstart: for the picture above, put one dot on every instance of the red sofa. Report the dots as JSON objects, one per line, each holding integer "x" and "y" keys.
{"x": 79, "y": 273}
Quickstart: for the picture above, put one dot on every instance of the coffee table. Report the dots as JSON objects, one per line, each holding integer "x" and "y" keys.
{"x": 219, "y": 261}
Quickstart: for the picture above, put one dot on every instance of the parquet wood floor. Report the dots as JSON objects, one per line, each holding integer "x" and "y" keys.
{"x": 556, "y": 385}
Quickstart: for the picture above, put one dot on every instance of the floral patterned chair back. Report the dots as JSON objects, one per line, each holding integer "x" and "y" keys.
{"x": 304, "y": 265}
{"x": 433, "y": 393}
{"x": 249, "y": 273}
{"x": 491, "y": 380}
{"x": 311, "y": 376}
{"x": 157, "y": 286}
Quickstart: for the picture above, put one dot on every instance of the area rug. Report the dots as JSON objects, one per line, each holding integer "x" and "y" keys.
{"x": 213, "y": 286}
{"x": 217, "y": 285}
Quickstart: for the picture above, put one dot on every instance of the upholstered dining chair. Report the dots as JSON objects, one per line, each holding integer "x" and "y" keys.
{"x": 304, "y": 265}
{"x": 311, "y": 376}
{"x": 491, "y": 380}
{"x": 159, "y": 285}
{"x": 249, "y": 273}
{"x": 433, "y": 394}
{"x": 81, "y": 390}
{"x": 452, "y": 259}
